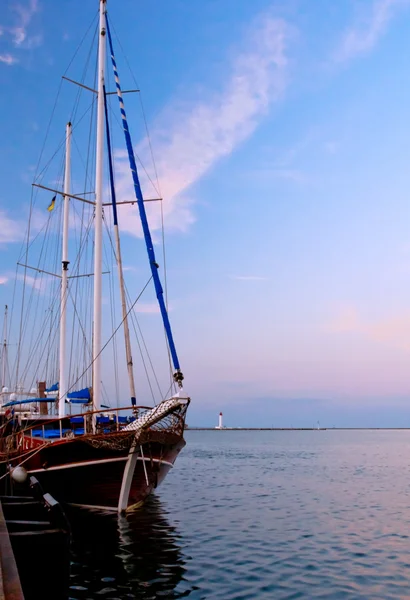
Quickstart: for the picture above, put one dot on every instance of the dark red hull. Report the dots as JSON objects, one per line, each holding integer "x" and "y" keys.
{"x": 105, "y": 464}
{"x": 75, "y": 472}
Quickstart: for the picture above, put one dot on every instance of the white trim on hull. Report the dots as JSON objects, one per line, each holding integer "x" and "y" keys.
{"x": 96, "y": 462}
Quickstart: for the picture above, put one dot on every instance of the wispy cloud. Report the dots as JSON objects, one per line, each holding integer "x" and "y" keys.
{"x": 275, "y": 172}
{"x": 248, "y": 278}
{"x": 11, "y": 230}
{"x": 25, "y": 14}
{"x": 150, "y": 308}
{"x": 284, "y": 164}
{"x": 41, "y": 283}
{"x": 365, "y": 33}
{"x": 394, "y": 330}
{"x": 8, "y": 59}
{"x": 19, "y": 31}
{"x": 189, "y": 140}
{"x": 32, "y": 42}
{"x": 3, "y": 279}
{"x": 289, "y": 174}
{"x": 15, "y": 230}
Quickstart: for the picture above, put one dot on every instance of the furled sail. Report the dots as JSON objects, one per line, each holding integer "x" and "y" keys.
{"x": 53, "y": 388}
{"x": 27, "y": 401}
{"x": 178, "y": 376}
{"x": 80, "y": 397}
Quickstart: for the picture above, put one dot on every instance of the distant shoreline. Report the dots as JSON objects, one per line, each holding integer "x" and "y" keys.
{"x": 254, "y": 429}
{"x": 297, "y": 429}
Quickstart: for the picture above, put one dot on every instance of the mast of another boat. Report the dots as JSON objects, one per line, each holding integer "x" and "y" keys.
{"x": 99, "y": 171}
{"x": 63, "y": 384}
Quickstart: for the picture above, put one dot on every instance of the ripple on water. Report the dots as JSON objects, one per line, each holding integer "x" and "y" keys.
{"x": 281, "y": 515}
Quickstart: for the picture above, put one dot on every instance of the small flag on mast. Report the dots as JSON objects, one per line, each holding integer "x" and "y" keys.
{"x": 51, "y": 205}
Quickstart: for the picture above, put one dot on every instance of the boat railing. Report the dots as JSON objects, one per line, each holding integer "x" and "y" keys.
{"x": 36, "y": 434}
{"x": 92, "y": 421}
{"x": 75, "y": 425}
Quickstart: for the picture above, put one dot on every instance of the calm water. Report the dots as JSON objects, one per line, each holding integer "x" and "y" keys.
{"x": 320, "y": 514}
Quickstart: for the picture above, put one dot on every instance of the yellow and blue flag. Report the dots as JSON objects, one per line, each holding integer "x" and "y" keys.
{"x": 51, "y": 205}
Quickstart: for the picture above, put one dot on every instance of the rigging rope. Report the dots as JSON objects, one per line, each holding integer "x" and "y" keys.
{"x": 147, "y": 235}
{"x": 112, "y": 335}
{"x": 157, "y": 188}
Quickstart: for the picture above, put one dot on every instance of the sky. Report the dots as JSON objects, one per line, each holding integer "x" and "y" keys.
{"x": 280, "y": 137}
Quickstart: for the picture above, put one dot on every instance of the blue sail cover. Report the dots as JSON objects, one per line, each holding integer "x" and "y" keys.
{"x": 53, "y": 388}
{"x": 80, "y": 397}
{"x": 143, "y": 217}
{"x": 28, "y": 401}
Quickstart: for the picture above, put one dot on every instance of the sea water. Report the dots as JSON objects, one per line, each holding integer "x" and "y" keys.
{"x": 260, "y": 514}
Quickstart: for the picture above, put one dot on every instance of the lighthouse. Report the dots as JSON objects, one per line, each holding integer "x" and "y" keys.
{"x": 220, "y": 426}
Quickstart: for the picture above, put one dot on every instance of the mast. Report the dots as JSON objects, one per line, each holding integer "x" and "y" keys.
{"x": 128, "y": 353}
{"x": 99, "y": 167}
{"x": 63, "y": 384}
{"x": 125, "y": 316}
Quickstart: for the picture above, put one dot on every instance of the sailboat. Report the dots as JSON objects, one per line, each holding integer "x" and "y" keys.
{"x": 81, "y": 450}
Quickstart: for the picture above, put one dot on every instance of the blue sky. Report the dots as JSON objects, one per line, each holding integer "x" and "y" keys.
{"x": 281, "y": 141}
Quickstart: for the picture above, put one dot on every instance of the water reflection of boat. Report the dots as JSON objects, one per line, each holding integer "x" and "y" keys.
{"x": 137, "y": 555}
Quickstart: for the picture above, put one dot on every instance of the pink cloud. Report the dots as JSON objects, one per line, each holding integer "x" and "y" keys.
{"x": 363, "y": 36}
{"x": 8, "y": 59}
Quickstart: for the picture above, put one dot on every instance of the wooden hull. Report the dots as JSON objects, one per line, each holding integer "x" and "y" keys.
{"x": 76, "y": 472}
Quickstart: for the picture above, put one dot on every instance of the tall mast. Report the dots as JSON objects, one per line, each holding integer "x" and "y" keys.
{"x": 63, "y": 384}
{"x": 128, "y": 352}
{"x": 99, "y": 166}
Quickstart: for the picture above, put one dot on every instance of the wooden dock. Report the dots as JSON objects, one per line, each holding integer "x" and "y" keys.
{"x": 34, "y": 547}
{"x": 10, "y": 584}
